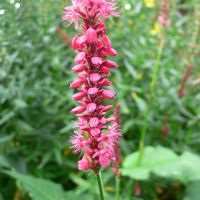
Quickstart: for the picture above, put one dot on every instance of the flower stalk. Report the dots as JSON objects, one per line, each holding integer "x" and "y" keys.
{"x": 100, "y": 184}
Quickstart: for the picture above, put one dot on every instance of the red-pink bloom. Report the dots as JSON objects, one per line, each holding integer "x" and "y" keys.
{"x": 97, "y": 136}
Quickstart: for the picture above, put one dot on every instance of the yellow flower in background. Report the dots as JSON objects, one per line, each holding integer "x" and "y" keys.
{"x": 149, "y": 3}
{"x": 139, "y": 76}
{"x": 134, "y": 95}
{"x": 156, "y": 29}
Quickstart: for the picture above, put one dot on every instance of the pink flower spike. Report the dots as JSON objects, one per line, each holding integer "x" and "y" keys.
{"x": 93, "y": 90}
{"x": 80, "y": 58}
{"x": 91, "y": 35}
{"x": 76, "y": 83}
{"x": 97, "y": 61}
{"x": 95, "y": 77}
{"x": 78, "y": 68}
{"x": 96, "y": 137}
{"x": 83, "y": 164}
{"x": 91, "y": 107}
{"x": 95, "y": 132}
{"x": 78, "y": 96}
{"x": 108, "y": 94}
{"x": 94, "y": 122}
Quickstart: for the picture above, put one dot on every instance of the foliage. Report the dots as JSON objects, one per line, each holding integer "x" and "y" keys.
{"x": 163, "y": 162}
{"x": 35, "y": 124}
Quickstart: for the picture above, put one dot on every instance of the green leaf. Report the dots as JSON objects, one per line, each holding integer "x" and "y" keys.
{"x": 130, "y": 68}
{"x": 163, "y": 162}
{"x": 6, "y": 117}
{"x": 38, "y": 188}
{"x": 4, "y": 162}
{"x": 6, "y": 138}
{"x": 193, "y": 192}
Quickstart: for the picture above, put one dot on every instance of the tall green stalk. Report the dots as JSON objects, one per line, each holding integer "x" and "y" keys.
{"x": 149, "y": 100}
{"x": 117, "y": 182}
{"x": 100, "y": 184}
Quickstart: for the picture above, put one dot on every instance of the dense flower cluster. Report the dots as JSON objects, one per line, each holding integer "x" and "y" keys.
{"x": 96, "y": 136}
{"x": 163, "y": 18}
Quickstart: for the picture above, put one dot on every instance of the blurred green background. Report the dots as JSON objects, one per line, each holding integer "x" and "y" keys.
{"x": 35, "y": 124}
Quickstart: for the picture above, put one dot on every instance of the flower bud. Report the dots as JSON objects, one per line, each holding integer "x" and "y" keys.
{"x": 105, "y": 82}
{"x": 105, "y": 70}
{"x": 91, "y": 35}
{"x": 78, "y": 68}
{"x": 96, "y": 60}
{"x": 75, "y": 46}
{"x": 95, "y": 77}
{"x": 93, "y": 90}
{"x": 78, "y": 96}
{"x": 110, "y": 64}
{"x": 94, "y": 122}
{"x": 106, "y": 41}
{"x": 80, "y": 58}
{"x": 78, "y": 109}
{"x": 110, "y": 119}
{"x": 107, "y": 108}
{"x": 91, "y": 107}
{"x": 81, "y": 40}
{"x": 95, "y": 132}
{"x": 108, "y": 94}
{"x": 76, "y": 83}
{"x": 111, "y": 51}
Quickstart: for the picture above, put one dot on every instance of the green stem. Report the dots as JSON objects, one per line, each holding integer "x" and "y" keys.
{"x": 147, "y": 111}
{"x": 117, "y": 182}
{"x": 99, "y": 180}
{"x": 156, "y": 68}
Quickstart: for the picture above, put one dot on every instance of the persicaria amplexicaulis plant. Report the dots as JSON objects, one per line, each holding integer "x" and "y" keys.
{"x": 163, "y": 17}
{"x": 96, "y": 136}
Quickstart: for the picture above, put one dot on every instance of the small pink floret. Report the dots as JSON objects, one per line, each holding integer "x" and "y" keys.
{"x": 91, "y": 35}
{"x": 97, "y": 60}
{"x": 80, "y": 58}
{"x": 108, "y": 94}
{"x": 83, "y": 164}
{"x": 94, "y": 122}
{"x": 95, "y": 77}
{"x": 91, "y": 107}
{"x": 93, "y": 90}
